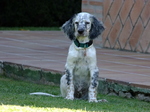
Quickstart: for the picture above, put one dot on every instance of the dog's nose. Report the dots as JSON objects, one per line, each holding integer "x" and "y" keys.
{"x": 80, "y": 31}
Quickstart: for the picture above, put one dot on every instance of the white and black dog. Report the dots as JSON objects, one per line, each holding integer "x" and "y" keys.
{"x": 81, "y": 72}
{"x": 80, "y": 80}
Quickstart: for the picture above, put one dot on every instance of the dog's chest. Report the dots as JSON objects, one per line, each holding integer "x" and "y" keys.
{"x": 81, "y": 67}
{"x": 81, "y": 70}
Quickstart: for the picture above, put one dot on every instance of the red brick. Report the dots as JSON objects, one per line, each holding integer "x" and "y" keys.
{"x": 108, "y": 26}
{"x": 96, "y": 3}
{"x": 136, "y": 34}
{"x": 127, "y": 47}
{"x": 98, "y": 42}
{"x": 117, "y": 45}
{"x": 145, "y": 39}
{"x": 100, "y": 18}
{"x": 136, "y": 10}
{"x": 106, "y": 6}
{"x": 146, "y": 13}
{"x": 115, "y": 9}
{"x": 98, "y": 11}
{"x": 138, "y": 48}
{"x": 148, "y": 50}
{"x": 107, "y": 44}
{"x": 85, "y": 2}
{"x": 115, "y": 32}
{"x": 126, "y": 31}
{"x": 89, "y": 10}
{"x": 126, "y": 9}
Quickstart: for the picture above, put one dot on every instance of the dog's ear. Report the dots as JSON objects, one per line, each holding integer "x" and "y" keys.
{"x": 68, "y": 28}
{"x": 97, "y": 28}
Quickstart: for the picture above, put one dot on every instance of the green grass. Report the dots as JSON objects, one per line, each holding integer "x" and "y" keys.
{"x": 14, "y": 97}
{"x": 30, "y": 28}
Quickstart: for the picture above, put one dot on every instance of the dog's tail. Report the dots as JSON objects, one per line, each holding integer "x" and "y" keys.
{"x": 45, "y": 94}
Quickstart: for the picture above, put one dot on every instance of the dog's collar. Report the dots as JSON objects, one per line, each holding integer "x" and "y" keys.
{"x": 83, "y": 45}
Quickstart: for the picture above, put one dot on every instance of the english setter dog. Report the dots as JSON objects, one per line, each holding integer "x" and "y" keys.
{"x": 80, "y": 80}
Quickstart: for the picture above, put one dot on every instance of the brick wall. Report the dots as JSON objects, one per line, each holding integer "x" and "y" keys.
{"x": 127, "y": 23}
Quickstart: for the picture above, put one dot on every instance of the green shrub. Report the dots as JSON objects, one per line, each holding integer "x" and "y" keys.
{"x": 37, "y": 13}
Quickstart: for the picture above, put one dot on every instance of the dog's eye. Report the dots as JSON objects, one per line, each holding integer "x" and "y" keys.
{"x": 76, "y": 23}
{"x": 87, "y": 22}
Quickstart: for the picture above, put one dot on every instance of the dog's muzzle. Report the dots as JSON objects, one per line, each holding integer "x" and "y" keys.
{"x": 80, "y": 31}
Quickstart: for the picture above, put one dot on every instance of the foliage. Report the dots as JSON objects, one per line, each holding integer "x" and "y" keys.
{"x": 31, "y": 28}
{"x": 35, "y": 13}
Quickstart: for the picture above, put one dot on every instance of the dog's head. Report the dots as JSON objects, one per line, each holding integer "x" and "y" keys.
{"x": 83, "y": 25}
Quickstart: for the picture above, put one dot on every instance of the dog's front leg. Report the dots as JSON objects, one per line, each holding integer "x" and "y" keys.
{"x": 70, "y": 65}
{"x": 70, "y": 85}
{"x": 94, "y": 72}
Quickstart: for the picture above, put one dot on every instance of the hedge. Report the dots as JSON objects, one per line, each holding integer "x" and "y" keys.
{"x": 37, "y": 13}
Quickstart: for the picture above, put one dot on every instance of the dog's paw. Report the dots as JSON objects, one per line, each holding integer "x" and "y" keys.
{"x": 93, "y": 100}
{"x": 69, "y": 97}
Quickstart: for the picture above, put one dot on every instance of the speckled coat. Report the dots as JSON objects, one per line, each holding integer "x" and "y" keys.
{"x": 81, "y": 71}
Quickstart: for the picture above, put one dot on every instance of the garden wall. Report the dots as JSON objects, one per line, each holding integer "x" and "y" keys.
{"x": 127, "y": 23}
{"x": 51, "y": 77}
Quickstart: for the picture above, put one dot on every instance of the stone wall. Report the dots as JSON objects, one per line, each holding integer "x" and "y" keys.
{"x": 127, "y": 23}
{"x": 30, "y": 73}
{"x": 50, "y": 77}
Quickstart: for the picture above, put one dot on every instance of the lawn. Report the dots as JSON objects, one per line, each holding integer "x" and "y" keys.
{"x": 14, "y": 97}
